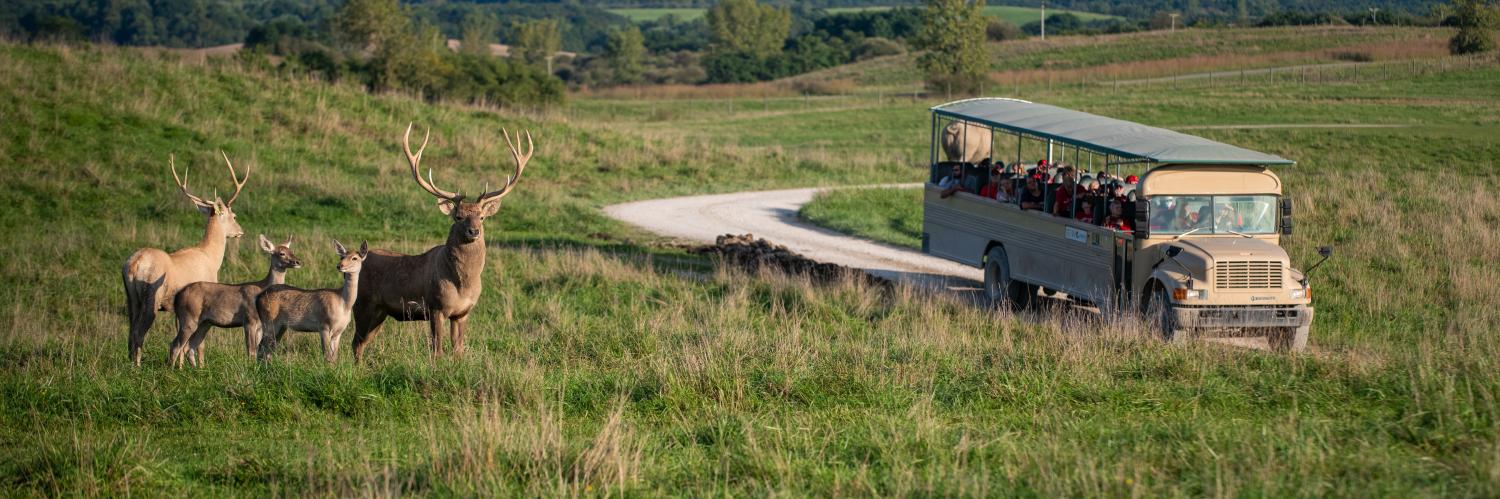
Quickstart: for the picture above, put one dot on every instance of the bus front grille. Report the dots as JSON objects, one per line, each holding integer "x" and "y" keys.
{"x": 1247, "y": 275}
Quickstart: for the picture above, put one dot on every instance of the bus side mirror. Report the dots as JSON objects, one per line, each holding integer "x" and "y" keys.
{"x": 1286, "y": 225}
{"x": 1142, "y": 225}
{"x": 1286, "y": 207}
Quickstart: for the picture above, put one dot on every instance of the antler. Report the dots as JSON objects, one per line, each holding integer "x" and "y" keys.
{"x": 182, "y": 184}
{"x": 238, "y": 184}
{"x": 521, "y": 159}
{"x": 416, "y": 159}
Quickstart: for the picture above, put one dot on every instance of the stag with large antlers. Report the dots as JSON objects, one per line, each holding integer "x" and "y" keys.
{"x": 152, "y": 276}
{"x": 444, "y": 282}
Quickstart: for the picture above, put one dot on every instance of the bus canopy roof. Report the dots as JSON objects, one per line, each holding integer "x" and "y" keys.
{"x": 1120, "y": 138}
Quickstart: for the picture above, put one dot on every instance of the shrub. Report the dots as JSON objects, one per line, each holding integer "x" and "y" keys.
{"x": 877, "y": 47}
{"x": 999, "y": 31}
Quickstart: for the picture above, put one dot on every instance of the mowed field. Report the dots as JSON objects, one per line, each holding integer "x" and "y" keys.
{"x": 1012, "y": 14}
{"x": 601, "y": 362}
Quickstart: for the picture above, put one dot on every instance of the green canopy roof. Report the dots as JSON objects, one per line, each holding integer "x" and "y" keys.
{"x": 1120, "y": 138}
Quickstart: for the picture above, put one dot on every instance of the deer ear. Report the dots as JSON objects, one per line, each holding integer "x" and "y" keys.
{"x": 364, "y": 248}
{"x": 446, "y": 206}
{"x": 206, "y": 209}
{"x": 490, "y": 207}
{"x": 266, "y": 245}
{"x": 339, "y": 247}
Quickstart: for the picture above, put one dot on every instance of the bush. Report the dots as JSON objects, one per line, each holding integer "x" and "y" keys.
{"x": 877, "y": 47}
{"x": 999, "y": 31}
{"x": 1471, "y": 42}
{"x": 841, "y": 86}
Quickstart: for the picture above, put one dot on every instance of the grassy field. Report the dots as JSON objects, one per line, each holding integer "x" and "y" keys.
{"x": 651, "y": 14}
{"x": 601, "y": 364}
{"x": 1008, "y": 13}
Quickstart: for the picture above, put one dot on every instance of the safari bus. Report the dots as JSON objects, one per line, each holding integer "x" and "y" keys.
{"x": 1194, "y": 241}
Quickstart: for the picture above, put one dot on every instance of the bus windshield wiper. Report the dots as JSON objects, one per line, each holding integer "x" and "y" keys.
{"x": 1246, "y": 236}
{"x": 1184, "y": 234}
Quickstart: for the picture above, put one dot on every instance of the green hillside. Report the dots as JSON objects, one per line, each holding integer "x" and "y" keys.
{"x": 601, "y": 362}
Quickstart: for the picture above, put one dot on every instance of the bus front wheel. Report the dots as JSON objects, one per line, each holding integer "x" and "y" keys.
{"x": 999, "y": 287}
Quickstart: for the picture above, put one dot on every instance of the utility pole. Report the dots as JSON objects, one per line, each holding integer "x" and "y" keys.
{"x": 1044, "y": 20}
{"x": 1174, "y": 21}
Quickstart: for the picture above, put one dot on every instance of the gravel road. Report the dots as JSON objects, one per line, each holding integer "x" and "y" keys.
{"x": 773, "y": 215}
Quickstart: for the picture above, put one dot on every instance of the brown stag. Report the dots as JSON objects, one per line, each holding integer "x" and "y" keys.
{"x": 152, "y": 276}
{"x": 444, "y": 282}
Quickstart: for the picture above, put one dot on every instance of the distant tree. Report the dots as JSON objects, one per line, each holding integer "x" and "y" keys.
{"x": 953, "y": 34}
{"x": 1475, "y": 20}
{"x": 478, "y": 31}
{"x": 625, "y": 50}
{"x": 536, "y": 42}
{"x": 877, "y": 47}
{"x": 748, "y": 27}
{"x": 371, "y": 24}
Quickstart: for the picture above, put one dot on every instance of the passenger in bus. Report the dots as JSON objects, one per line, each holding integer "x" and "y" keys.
{"x": 993, "y": 186}
{"x": 1085, "y": 211}
{"x": 1062, "y": 200}
{"x": 1204, "y": 219}
{"x": 1116, "y": 218}
{"x": 1007, "y": 192}
{"x": 1031, "y": 198}
{"x": 953, "y": 182}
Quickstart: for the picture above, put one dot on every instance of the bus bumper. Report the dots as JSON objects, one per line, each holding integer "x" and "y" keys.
{"x": 1243, "y": 317}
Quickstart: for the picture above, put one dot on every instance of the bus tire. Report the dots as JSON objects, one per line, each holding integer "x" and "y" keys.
{"x": 1288, "y": 339}
{"x": 999, "y": 288}
{"x": 1160, "y": 317}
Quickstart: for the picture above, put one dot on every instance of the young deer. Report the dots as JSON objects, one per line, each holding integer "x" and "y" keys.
{"x": 444, "y": 282}
{"x": 202, "y": 305}
{"x": 324, "y": 311}
{"x": 152, "y": 277}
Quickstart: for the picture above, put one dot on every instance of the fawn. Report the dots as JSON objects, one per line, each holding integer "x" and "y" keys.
{"x": 324, "y": 311}
{"x": 202, "y": 305}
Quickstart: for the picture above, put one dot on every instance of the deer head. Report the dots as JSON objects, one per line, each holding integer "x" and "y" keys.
{"x": 218, "y": 211}
{"x": 468, "y": 217}
{"x": 281, "y": 256}
{"x": 350, "y": 262}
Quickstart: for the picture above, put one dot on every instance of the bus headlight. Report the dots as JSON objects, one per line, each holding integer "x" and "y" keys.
{"x": 1298, "y": 294}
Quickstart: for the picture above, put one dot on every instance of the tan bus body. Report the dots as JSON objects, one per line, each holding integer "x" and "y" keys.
{"x": 1214, "y": 282}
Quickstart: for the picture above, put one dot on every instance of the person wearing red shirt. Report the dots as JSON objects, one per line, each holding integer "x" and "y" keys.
{"x": 1116, "y": 219}
{"x": 1085, "y": 210}
{"x": 1062, "y": 204}
{"x": 990, "y": 189}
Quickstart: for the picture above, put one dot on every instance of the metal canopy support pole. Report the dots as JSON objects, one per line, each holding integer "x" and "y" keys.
{"x": 1049, "y": 152}
{"x": 1019, "y": 140}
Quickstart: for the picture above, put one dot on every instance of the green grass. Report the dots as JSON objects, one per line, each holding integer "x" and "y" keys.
{"x": 1008, "y": 13}
{"x": 599, "y": 364}
{"x": 652, "y": 14}
{"x": 880, "y": 214}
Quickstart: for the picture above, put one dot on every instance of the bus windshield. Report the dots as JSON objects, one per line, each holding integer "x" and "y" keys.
{"x": 1213, "y": 214}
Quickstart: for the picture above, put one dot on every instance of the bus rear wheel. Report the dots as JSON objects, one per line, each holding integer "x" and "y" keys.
{"x": 999, "y": 288}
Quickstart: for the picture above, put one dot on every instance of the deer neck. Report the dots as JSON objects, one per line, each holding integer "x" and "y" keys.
{"x": 214, "y": 236}
{"x": 275, "y": 276}
{"x": 350, "y": 289}
{"x": 466, "y": 259}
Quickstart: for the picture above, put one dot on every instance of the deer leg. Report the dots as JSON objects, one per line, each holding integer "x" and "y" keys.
{"x": 366, "y": 324}
{"x": 458, "y": 326}
{"x": 268, "y": 341}
{"x": 329, "y": 352}
{"x": 138, "y": 330}
{"x": 180, "y": 343}
{"x": 252, "y": 331}
{"x": 195, "y": 344}
{"x": 435, "y": 322}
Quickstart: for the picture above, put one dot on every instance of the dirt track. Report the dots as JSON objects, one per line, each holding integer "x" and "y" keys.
{"x": 773, "y": 215}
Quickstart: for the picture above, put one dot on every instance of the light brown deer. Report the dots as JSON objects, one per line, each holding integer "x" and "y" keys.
{"x": 444, "y": 282}
{"x": 152, "y": 277}
{"x": 323, "y": 311}
{"x": 203, "y": 305}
